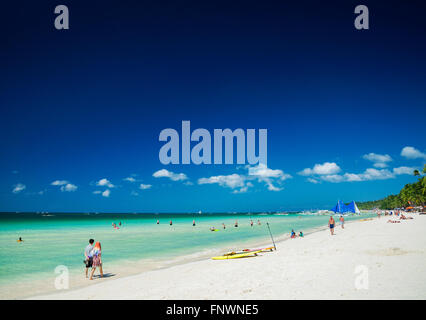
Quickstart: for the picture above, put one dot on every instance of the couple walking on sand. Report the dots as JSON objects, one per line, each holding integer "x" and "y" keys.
{"x": 93, "y": 258}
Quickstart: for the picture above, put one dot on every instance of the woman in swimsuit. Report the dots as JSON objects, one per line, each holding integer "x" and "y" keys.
{"x": 97, "y": 259}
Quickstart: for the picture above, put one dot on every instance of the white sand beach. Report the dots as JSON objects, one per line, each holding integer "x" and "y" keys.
{"x": 318, "y": 266}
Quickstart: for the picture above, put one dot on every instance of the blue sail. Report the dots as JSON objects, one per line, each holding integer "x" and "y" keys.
{"x": 343, "y": 208}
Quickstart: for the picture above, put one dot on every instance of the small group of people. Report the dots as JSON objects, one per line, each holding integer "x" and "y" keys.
{"x": 332, "y": 223}
{"x": 402, "y": 217}
{"x": 293, "y": 234}
{"x": 93, "y": 258}
{"x": 114, "y": 225}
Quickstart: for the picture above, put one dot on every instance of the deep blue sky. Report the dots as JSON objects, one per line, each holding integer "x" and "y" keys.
{"x": 88, "y": 103}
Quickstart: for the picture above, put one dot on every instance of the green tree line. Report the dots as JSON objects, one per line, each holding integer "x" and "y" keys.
{"x": 413, "y": 194}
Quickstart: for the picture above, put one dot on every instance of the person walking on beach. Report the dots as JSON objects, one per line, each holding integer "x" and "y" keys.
{"x": 97, "y": 259}
{"x": 331, "y": 223}
{"x": 342, "y": 222}
{"x": 88, "y": 261}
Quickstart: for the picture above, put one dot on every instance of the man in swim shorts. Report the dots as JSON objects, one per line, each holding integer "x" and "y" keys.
{"x": 331, "y": 223}
{"x": 88, "y": 261}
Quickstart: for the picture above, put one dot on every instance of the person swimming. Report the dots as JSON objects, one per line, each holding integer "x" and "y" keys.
{"x": 251, "y": 223}
{"x": 20, "y": 240}
{"x": 258, "y": 222}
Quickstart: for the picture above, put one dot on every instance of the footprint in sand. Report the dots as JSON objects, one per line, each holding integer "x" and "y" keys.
{"x": 389, "y": 252}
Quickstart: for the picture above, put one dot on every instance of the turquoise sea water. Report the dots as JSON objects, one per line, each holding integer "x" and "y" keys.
{"x": 60, "y": 238}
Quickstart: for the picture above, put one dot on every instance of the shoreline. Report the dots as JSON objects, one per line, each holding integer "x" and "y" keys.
{"x": 319, "y": 266}
{"x": 177, "y": 261}
{"x": 163, "y": 263}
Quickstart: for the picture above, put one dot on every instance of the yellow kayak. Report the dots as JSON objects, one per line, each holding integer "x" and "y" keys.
{"x": 237, "y": 255}
{"x": 249, "y": 251}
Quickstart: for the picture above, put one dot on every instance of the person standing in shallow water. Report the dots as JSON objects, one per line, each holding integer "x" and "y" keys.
{"x": 331, "y": 223}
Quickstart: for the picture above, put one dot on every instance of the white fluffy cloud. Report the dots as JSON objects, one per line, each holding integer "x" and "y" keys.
{"x": 240, "y": 183}
{"x": 335, "y": 178}
{"x": 130, "y": 179}
{"x": 144, "y": 186}
{"x": 65, "y": 185}
{"x": 106, "y": 193}
{"x": 18, "y": 187}
{"x": 412, "y": 153}
{"x": 367, "y": 175}
{"x": 312, "y": 180}
{"x": 380, "y": 160}
{"x": 163, "y": 173}
{"x": 327, "y": 168}
{"x": 231, "y": 181}
{"x": 105, "y": 183}
{"x": 374, "y": 157}
{"x": 262, "y": 171}
{"x": 264, "y": 174}
{"x": 403, "y": 170}
{"x": 59, "y": 182}
{"x": 69, "y": 187}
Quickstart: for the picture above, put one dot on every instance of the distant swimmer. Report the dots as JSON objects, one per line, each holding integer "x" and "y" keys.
{"x": 258, "y": 222}
{"x": 251, "y": 223}
{"x": 171, "y": 223}
{"x": 236, "y": 224}
{"x": 193, "y": 223}
{"x": 20, "y": 240}
{"x": 213, "y": 229}
{"x": 223, "y": 226}
{"x": 119, "y": 223}
{"x": 158, "y": 221}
